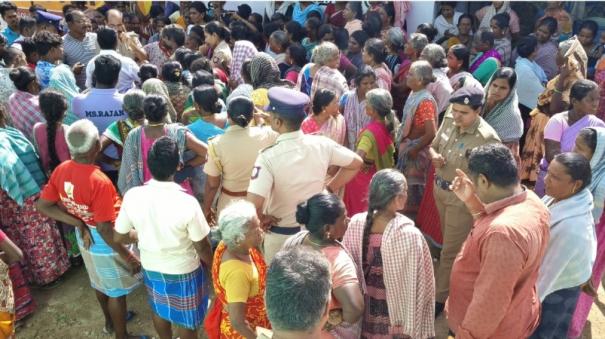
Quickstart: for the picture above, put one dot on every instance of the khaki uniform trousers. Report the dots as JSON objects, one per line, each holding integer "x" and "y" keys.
{"x": 456, "y": 223}
{"x": 272, "y": 244}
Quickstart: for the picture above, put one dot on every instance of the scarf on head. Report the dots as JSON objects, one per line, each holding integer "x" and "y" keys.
{"x": 157, "y": 87}
{"x": 491, "y": 11}
{"x": 505, "y": 117}
{"x": 597, "y": 165}
{"x": 264, "y": 72}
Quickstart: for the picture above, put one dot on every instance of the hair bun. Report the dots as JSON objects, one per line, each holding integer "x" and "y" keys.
{"x": 302, "y": 213}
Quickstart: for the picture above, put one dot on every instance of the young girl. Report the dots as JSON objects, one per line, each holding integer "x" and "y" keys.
{"x": 296, "y": 57}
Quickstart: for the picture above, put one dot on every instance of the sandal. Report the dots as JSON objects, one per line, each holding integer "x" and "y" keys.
{"x": 129, "y": 316}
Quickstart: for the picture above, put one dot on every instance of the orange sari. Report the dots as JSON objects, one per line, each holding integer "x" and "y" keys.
{"x": 217, "y": 323}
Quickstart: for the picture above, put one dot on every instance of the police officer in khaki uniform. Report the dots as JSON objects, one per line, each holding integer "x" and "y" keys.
{"x": 293, "y": 169}
{"x": 462, "y": 130}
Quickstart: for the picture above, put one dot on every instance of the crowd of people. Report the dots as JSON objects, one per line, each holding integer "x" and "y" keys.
{"x": 320, "y": 171}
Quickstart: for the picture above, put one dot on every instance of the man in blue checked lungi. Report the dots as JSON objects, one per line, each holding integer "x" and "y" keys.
{"x": 79, "y": 194}
{"x": 172, "y": 235}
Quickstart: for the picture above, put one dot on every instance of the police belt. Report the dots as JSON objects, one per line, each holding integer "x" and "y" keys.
{"x": 443, "y": 184}
{"x": 284, "y": 230}
{"x": 234, "y": 194}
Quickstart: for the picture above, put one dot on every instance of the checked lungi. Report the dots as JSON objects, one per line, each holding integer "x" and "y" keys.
{"x": 181, "y": 299}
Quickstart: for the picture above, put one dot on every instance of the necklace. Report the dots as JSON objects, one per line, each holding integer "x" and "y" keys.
{"x": 155, "y": 125}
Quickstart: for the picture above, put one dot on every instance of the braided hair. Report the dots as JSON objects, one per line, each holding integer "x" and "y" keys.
{"x": 53, "y": 106}
{"x": 385, "y": 185}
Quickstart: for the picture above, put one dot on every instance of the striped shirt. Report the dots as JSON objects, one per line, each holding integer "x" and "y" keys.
{"x": 25, "y": 112}
{"x": 80, "y": 51}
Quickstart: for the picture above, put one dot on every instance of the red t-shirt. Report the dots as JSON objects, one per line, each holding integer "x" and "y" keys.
{"x": 84, "y": 191}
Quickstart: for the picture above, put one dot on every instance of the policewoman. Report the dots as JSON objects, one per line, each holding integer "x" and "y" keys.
{"x": 293, "y": 169}
{"x": 462, "y": 130}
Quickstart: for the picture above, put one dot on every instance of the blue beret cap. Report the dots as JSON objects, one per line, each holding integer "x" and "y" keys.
{"x": 471, "y": 96}
{"x": 287, "y": 103}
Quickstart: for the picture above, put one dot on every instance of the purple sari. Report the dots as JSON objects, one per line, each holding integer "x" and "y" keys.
{"x": 492, "y": 53}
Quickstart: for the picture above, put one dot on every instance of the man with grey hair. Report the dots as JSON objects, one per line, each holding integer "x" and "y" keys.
{"x": 90, "y": 203}
{"x": 298, "y": 293}
{"x": 278, "y": 43}
{"x": 440, "y": 88}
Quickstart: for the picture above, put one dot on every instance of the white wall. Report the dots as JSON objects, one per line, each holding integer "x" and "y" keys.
{"x": 421, "y": 11}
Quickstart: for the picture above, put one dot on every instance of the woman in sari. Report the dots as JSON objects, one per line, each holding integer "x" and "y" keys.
{"x": 157, "y": 87}
{"x": 133, "y": 169}
{"x": 11, "y": 255}
{"x": 569, "y": 257}
{"x": 416, "y": 132}
{"x": 375, "y": 146}
{"x": 264, "y": 74}
{"x": 562, "y": 129}
{"x": 325, "y": 222}
{"x": 501, "y": 109}
{"x": 374, "y": 55}
{"x": 488, "y": 60}
{"x": 38, "y": 237}
{"x": 353, "y": 105}
{"x": 328, "y": 76}
{"x": 546, "y": 53}
{"x": 440, "y": 88}
{"x": 357, "y": 40}
{"x": 591, "y": 144}
{"x": 326, "y": 119}
{"x": 399, "y": 88}
{"x": 172, "y": 74}
{"x": 572, "y": 62}
{"x": 238, "y": 275}
{"x": 457, "y": 67}
{"x": 599, "y": 78}
{"x": 321, "y": 57}
{"x": 396, "y": 264}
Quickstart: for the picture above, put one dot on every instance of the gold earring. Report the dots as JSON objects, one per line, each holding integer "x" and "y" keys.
{"x": 328, "y": 236}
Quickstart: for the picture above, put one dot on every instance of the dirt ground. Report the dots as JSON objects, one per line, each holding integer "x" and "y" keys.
{"x": 70, "y": 310}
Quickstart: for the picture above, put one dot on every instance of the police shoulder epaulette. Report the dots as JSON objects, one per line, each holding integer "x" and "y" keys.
{"x": 266, "y": 148}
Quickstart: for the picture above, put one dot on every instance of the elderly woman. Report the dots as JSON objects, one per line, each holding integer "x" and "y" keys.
{"x": 417, "y": 131}
{"x": 238, "y": 275}
{"x": 457, "y": 67}
{"x": 321, "y": 56}
{"x": 395, "y": 43}
{"x": 117, "y": 131}
{"x": 353, "y": 104}
{"x": 399, "y": 88}
{"x": 374, "y": 55}
{"x": 232, "y": 173}
{"x": 264, "y": 74}
{"x": 571, "y": 251}
{"x": 562, "y": 129}
{"x": 462, "y": 130}
{"x": 440, "y": 88}
{"x": 501, "y": 109}
{"x": 328, "y": 76}
{"x": 23, "y": 105}
{"x": 399, "y": 298}
{"x": 133, "y": 169}
{"x": 157, "y": 87}
{"x": 487, "y": 60}
{"x": 325, "y": 222}
{"x": 556, "y": 98}
{"x": 375, "y": 146}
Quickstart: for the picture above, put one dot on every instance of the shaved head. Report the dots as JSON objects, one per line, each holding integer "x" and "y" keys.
{"x": 114, "y": 17}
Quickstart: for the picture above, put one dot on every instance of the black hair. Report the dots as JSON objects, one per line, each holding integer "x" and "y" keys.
{"x": 277, "y": 16}
{"x": 312, "y": 26}
{"x": 355, "y": 7}
{"x": 207, "y": 97}
{"x": 45, "y": 41}
{"x": 269, "y": 28}
{"x": 22, "y": 77}
{"x": 487, "y": 37}
{"x": 427, "y": 29}
{"x": 240, "y": 110}
{"x": 526, "y": 46}
{"x": 239, "y": 31}
{"x": 7, "y": 6}
{"x": 244, "y": 11}
{"x": 162, "y": 18}
{"x": 11, "y": 55}
{"x": 174, "y": 33}
{"x": 199, "y": 6}
{"x": 507, "y": 74}
{"x": 376, "y": 48}
{"x": 448, "y": 3}
{"x": 246, "y": 76}
{"x": 320, "y": 210}
{"x": 461, "y": 52}
{"x": 107, "y": 70}
{"x": 324, "y": 30}
{"x": 298, "y": 54}
{"x": 296, "y": 31}
{"x": 576, "y": 166}
{"x": 372, "y": 24}
{"x": 202, "y": 77}
{"x": 363, "y": 72}
{"x": 589, "y": 138}
{"x": 53, "y": 105}
{"x": 181, "y": 53}
{"x": 322, "y": 98}
{"x": 201, "y": 64}
{"x": 26, "y": 22}
{"x": 591, "y": 26}
{"x": 163, "y": 158}
{"x": 341, "y": 38}
{"x": 466, "y": 16}
{"x": 314, "y": 14}
{"x": 155, "y": 108}
{"x": 550, "y": 23}
{"x": 199, "y": 33}
{"x": 148, "y": 71}
{"x": 190, "y": 58}
{"x": 502, "y": 20}
{"x": 172, "y": 71}
{"x": 214, "y": 27}
{"x": 258, "y": 21}
{"x": 107, "y": 38}
{"x": 28, "y": 46}
{"x": 496, "y": 163}
{"x": 389, "y": 8}
{"x": 581, "y": 88}
{"x": 361, "y": 37}
{"x": 68, "y": 9}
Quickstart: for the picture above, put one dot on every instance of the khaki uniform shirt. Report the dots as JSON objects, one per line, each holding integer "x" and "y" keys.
{"x": 232, "y": 155}
{"x": 455, "y": 145}
{"x": 293, "y": 170}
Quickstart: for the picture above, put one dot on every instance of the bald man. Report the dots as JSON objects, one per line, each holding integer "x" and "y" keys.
{"x": 129, "y": 44}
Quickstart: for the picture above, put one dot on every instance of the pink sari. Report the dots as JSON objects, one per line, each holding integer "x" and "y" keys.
{"x": 334, "y": 128}
{"x": 382, "y": 152}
